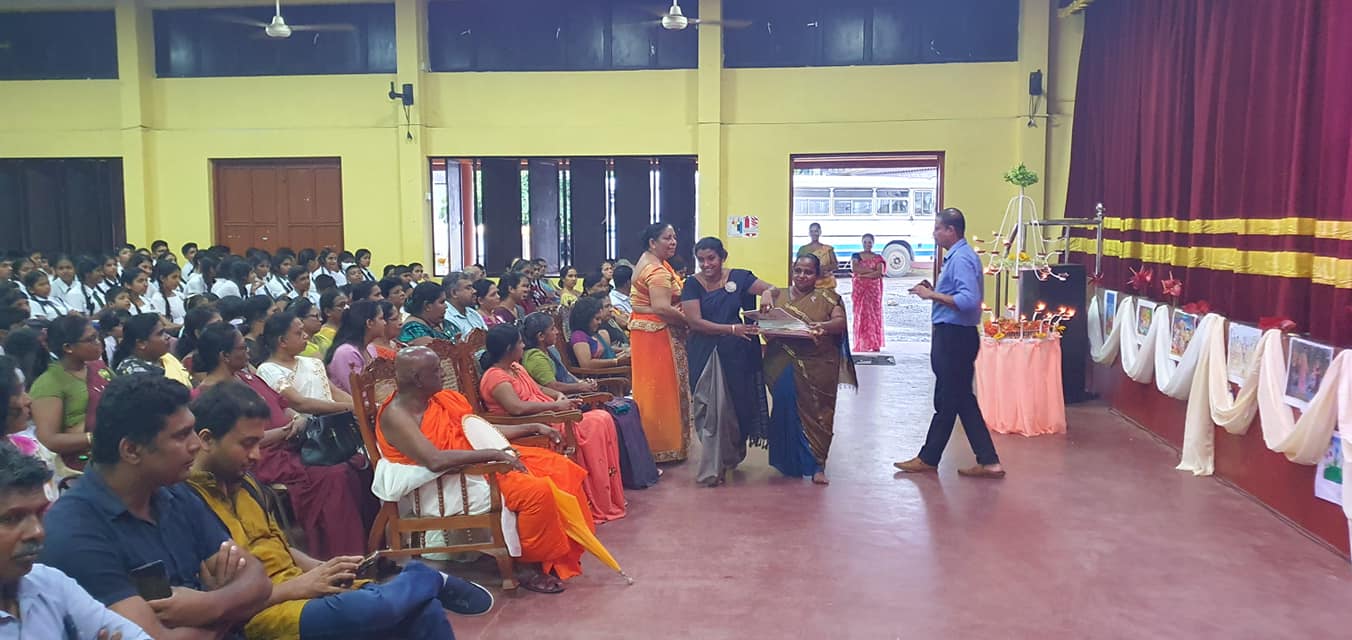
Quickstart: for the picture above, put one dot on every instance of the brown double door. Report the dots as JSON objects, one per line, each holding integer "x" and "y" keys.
{"x": 272, "y": 203}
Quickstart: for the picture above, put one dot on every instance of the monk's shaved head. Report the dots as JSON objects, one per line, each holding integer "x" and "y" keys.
{"x": 415, "y": 367}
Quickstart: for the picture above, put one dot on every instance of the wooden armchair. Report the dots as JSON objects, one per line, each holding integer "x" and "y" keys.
{"x": 372, "y": 386}
{"x": 463, "y": 358}
{"x": 616, "y": 381}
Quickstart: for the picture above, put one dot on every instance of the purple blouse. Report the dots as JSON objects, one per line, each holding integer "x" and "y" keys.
{"x": 347, "y": 360}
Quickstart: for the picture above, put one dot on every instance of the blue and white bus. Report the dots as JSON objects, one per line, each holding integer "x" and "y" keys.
{"x": 897, "y": 208}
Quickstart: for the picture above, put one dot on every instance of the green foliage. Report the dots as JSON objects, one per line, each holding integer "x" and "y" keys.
{"x": 1021, "y": 177}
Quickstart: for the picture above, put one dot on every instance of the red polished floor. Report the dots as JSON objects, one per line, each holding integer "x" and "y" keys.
{"x": 1093, "y": 534}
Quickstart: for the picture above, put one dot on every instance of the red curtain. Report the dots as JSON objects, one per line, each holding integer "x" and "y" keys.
{"x": 1218, "y": 134}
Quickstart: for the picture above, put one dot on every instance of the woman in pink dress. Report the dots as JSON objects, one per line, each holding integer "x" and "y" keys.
{"x": 508, "y": 390}
{"x": 866, "y": 271}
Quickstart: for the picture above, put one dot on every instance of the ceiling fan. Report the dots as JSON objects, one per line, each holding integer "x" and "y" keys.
{"x": 278, "y": 28}
{"x": 674, "y": 20}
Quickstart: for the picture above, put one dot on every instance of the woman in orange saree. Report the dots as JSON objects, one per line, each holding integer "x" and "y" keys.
{"x": 657, "y": 348}
{"x": 508, "y": 390}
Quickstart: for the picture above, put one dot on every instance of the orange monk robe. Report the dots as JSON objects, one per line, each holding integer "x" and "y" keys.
{"x": 530, "y": 496}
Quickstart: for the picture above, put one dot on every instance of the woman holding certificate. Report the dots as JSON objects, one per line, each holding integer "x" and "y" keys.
{"x": 726, "y": 382}
{"x": 804, "y": 374}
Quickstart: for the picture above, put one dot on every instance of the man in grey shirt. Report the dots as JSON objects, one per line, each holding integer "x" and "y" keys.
{"x": 37, "y": 601}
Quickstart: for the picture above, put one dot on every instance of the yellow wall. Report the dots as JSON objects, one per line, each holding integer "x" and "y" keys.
{"x": 199, "y": 119}
{"x": 742, "y": 123}
{"x": 770, "y": 114}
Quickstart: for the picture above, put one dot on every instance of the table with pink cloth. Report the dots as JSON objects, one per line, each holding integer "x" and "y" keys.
{"x": 1018, "y": 384}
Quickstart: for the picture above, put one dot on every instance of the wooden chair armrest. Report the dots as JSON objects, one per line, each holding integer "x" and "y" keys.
{"x": 545, "y": 417}
{"x": 616, "y": 387}
{"x": 593, "y": 398}
{"x": 546, "y": 443}
{"x": 486, "y": 469}
{"x": 603, "y": 371}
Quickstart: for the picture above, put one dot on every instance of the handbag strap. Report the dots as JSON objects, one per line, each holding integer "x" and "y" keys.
{"x": 256, "y": 490}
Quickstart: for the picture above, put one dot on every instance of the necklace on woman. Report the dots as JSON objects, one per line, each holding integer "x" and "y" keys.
{"x": 718, "y": 284}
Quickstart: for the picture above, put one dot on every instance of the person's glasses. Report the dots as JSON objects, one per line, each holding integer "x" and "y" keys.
{"x": 94, "y": 339}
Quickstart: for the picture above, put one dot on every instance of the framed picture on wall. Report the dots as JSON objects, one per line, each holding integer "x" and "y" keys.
{"x": 1109, "y": 311}
{"x": 1181, "y": 329}
{"x": 1328, "y": 476}
{"x": 1145, "y": 314}
{"x": 1306, "y": 365}
{"x": 1241, "y": 344}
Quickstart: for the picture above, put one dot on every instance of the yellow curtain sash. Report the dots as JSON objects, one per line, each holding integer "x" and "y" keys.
{"x": 1326, "y": 270}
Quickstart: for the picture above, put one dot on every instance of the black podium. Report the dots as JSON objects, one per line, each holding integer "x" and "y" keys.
{"x": 1070, "y": 293}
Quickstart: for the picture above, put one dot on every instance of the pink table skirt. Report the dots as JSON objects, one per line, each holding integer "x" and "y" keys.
{"x": 1018, "y": 384}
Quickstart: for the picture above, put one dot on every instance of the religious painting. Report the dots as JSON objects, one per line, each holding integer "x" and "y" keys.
{"x": 1109, "y": 311}
{"x": 1181, "y": 330}
{"x": 1145, "y": 314}
{"x": 1241, "y": 347}
{"x": 1306, "y": 365}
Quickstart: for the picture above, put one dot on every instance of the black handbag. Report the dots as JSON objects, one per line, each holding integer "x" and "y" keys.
{"x": 330, "y": 439}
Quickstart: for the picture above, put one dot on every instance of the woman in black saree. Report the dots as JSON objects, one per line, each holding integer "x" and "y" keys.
{"x": 724, "y": 351}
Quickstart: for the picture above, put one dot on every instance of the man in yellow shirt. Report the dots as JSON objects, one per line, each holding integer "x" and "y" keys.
{"x": 310, "y": 599}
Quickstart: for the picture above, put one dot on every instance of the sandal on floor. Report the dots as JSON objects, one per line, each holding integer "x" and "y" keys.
{"x": 541, "y": 583}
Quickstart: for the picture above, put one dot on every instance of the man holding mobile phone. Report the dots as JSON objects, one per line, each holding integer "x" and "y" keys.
{"x": 955, "y": 316}
{"x": 38, "y": 601}
{"x": 310, "y": 598}
{"x": 131, "y": 510}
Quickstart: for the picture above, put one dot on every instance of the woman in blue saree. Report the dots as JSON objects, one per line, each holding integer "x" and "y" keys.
{"x": 727, "y": 387}
{"x": 805, "y": 373}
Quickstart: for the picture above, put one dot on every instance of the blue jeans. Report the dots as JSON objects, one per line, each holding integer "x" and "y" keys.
{"x": 405, "y": 607}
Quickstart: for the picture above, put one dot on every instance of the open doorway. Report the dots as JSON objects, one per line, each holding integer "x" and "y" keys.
{"x": 894, "y": 197}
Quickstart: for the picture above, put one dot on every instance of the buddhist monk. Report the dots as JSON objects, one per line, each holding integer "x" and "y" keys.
{"x": 419, "y": 430}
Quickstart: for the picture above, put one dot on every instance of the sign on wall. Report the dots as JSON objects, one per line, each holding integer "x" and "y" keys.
{"x": 743, "y": 226}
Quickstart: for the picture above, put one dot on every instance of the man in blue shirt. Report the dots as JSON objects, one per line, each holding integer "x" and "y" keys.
{"x": 460, "y": 311}
{"x": 131, "y": 509}
{"x": 37, "y": 601}
{"x": 955, "y": 316}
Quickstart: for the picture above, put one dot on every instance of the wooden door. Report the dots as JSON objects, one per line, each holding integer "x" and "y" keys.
{"x": 272, "y": 203}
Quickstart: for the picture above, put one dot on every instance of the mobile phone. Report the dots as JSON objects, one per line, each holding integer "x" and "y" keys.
{"x": 367, "y": 565}
{"x": 152, "y": 580}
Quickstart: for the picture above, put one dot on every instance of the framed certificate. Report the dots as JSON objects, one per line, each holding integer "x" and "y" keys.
{"x": 778, "y": 323}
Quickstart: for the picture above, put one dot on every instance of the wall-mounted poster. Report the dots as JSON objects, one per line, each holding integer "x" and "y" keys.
{"x": 1181, "y": 330}
{"x": 1145, "y": 314}
{"x": 1328, "y": 476}
{"x": 1109, "y": 311}
{"x": 1241, "y": 345}
{"x": 1306, "y": 365}
{"x": 743, "y": 226}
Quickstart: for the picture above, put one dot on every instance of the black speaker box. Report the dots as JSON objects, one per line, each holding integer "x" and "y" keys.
{"x": 1071, "y": 293}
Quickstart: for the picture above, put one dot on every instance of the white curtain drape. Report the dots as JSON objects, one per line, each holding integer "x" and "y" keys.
{"x": 1201, "y": 379}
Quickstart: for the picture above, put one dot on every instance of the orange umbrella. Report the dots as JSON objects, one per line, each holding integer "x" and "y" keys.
{"x": 577, "y": 528}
